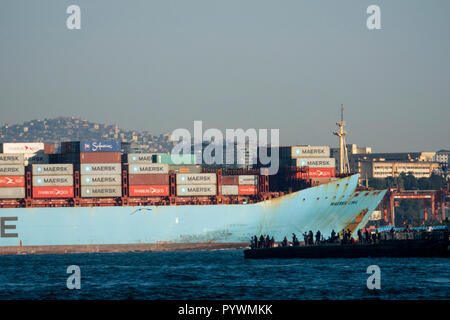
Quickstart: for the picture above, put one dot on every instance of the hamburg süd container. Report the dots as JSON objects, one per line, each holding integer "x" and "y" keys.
{"x": 53, "y": 181}
{"x": 101, "y": 180}
{"x": 248, "y": 179}
{"x": 247, "y": 190}
{"x": 52, "y": 169}
{"x": 149, "y": 191}
{"x": 321, "y": 172}
{"x": 100, "y": 146}
{"x": 148, "y": 179}
{"x": 12, "y": 181}
{"x": 101, "y": 168}
{"x": 100, "y": 157}
{"x": 12, "y": 193}
{"x": 12, "y": 170}
{"x": 22, "y": 147}
{"x": 316, "y": 162}
{"x": 155, "y": 168}
{"x": 101, "y": 191}
{"x": 52, "y": 192}
{"x": 11, "y": 158}
{"x": 196, "y": 178}
{"x": 196, "y": 190}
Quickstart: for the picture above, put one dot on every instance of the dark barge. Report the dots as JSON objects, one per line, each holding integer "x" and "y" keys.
{"x": 385, "y": 248}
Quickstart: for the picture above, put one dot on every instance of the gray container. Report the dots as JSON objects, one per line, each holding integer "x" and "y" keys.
{"x": 12, "y": 193}
{"x": 12, "y": 170}
{"x": 196, "y": 190}
{"x": 101, "y": 180}
{"x": 140, "y": 158}
{"x": 101, "y": 191}
{"x": 11, "y": 158}
{"x": 52, "y": 169}
{"x": 155, "y": 168}
{"x": 196, "y": 178}
{"x": 230, "y": 190}
{"x": 52, "y": 181}
{"x": 310, "y": 152}
{"x": 101, "y": 168}
{"x": 248, "y": 180}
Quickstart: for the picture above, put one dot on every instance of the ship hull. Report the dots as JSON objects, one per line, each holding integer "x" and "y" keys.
{"x": 332, "y": 206}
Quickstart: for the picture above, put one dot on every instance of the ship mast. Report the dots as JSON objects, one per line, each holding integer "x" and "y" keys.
{"x": 344, "y": 166}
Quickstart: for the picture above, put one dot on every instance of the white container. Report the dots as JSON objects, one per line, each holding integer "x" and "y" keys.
{"x": 196, "y": 178}
{"x": 12, "y": 170}
{"x": 140, "y": 158}
{"x": 310, "y": 152}
{"x": 230, "y": 190}
{"x": 32, "y": 158}
{"x": 101, "y": 180}
{"x": 101, "y": 191}
{"x": 248, "y": 180}
{"x": 155, "y": 168}
{"x": 52, "y": 169}
{"x": 316, "y": 162}
{"x": 12, "y": 193}
{"x": 101, "y": 168}
{"x": 52, "y": 181}
{"x": 11, "y": 158}
{"x": 196, "y": 190}
{"x": 25, "y": 147}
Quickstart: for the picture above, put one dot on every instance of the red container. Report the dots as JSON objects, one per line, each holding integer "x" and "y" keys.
{"x": 52, "y": 192}
{"x": 13, "y": 181}
{"x": 148, "y": 179}
{"x": 321, "y": 172}
{"x": 100, "y": 157}
{"x": 230, "y": 180}
{"x": 247, "y": 190}
{"x": 149, "y": 191}
{"x": 49, "y": 148}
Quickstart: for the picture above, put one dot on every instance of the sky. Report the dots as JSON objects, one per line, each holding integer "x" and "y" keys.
{"x": 159, "y": 65}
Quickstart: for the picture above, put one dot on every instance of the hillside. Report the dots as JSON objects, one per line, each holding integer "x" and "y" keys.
{"x": 76, "y": 129}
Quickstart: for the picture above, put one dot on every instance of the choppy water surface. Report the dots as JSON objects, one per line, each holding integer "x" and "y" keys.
{"x": 223, "y": 274}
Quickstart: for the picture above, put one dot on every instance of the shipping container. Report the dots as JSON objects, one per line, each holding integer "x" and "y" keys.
{"x": 101, "y": 168}
{"x": 52, "y": 169}
{"x": 247, "y": 190}
{"x": 196, "y": 178}
{"x": 70, "y": 147}
{"x": 52, "y": 192}
{"x": 248, "y": 180}
{"x": 310, "y": 152}
{"x": 71, "y": 157}
{"x": 230, "y": 180}
{"x": 100, "y": 157}
{"x": 100, "y": 146}
{"x": 175, "y": 159}
{"x": 101, "y": 191}
{"x": 19, "y": 147}
{"x": 12, "y": 193}
{"x": 148, "y": 179}
{"x": 196, "y": 190}
{"x": 53, "y": 181}
{"x": 316, "y": 162}
{"x": 230, "y": 190}
{"x": 149, "y": 191}
{"x": 11, "y": 158}
{"x": 12, "y": 181}
{"x": 101, "y": 180}
{"x": 12, "y": 170}
{"x": 32, "y": 158}
{"x": 140, "y": 158}
{"x": 321, "y": 172}
{"x": 49, "y": 148}
{"x": 155, "y": 168}
{"x": 195, "y": 168}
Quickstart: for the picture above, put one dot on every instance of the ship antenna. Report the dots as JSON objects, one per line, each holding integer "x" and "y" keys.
{"x": 344, "y": 166}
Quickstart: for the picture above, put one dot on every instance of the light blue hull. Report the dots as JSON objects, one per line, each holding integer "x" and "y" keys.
{"x": 335, "y": 205}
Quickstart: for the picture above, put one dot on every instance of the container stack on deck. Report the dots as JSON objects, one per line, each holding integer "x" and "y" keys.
{"x": 196, "y": 184}
{"x": 52, "y": 180}
{"x": 12, "y": 176}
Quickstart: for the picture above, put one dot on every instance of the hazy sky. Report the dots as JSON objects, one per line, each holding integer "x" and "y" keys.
{"x": 287, "y": 64}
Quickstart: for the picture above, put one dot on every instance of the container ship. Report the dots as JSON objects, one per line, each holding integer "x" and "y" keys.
{"x": 89, "y": 196}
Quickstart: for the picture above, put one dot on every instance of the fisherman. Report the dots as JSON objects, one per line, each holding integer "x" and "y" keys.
{"x": 272, "y": 241}
{"x": 285, "y": 242}
{"x": 255, "y": 240}
{"x": 333, "y": 235}
{"x": 359, "y": 235}
{"x": 305, "y": 238}
{"x": 318, "y": 237}
{"x": 311, "y": 237}
{"x": 252, "y": 243}
{"x": 295, "y": 240}
{"x": 261, "y": 241}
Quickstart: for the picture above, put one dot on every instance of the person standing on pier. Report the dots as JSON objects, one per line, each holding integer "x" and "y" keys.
{"x": 318, "y": 237}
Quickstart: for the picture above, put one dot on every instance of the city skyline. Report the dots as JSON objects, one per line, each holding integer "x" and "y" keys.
{"x": 158, "y": 66}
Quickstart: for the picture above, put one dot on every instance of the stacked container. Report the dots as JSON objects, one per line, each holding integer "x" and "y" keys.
{"x": 52, "y": 180}
{"x": 317, "y": 158}
{"x": 196, "y": 184}
{"x": 12, "y": 176}
{"x": 100, "y": 169}
{"x": 185, "y": 159}
{"x": 145, "y": 178}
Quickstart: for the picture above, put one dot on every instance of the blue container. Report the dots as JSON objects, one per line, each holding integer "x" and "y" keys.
{"x": 100, "y": 146}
